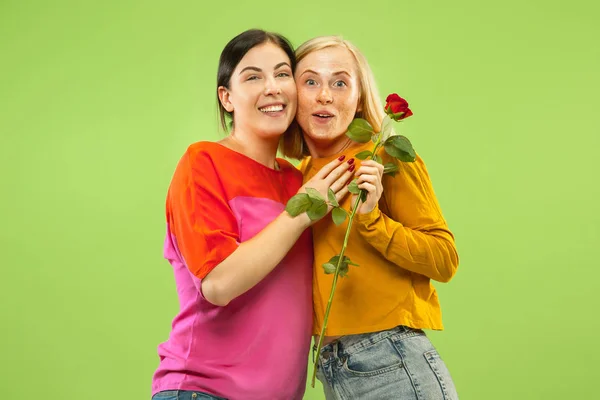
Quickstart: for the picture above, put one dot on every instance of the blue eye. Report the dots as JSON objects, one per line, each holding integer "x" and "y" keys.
{"x": 311, "y": 82}
{"x": 339, "y": 84}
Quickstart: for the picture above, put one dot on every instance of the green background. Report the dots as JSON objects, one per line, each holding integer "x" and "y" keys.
{"x": 98, "y": 100}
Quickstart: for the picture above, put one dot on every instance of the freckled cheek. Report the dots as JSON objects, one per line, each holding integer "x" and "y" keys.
{"x": 303, "y": 107}
{"x": 302, "y": 97}
{"x": 302, "y": 116}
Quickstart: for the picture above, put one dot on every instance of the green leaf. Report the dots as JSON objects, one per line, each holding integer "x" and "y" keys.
{"x": 332, "y": 198}
{"x": 331, "y": 265}
{"x": 353, "y": 187}
{"x": 391, "y": 169}
{"x": 387, "y": 128}
{"x": 378, "y": 159}
{"x": 400, "y": 148}
{"x": 333, "y": 260}
{"x": 314, "y": 194}
{"x": 344, "y": 269}
{"x": 339, "y": 215}
{"x": 298, "y": 204}
{"x": 363, "y": 155}
{"x": 347, "y": 261}
{"x": 329, "y": 268}
{"x": 363, "y": 195}
{"x": 317, "y": 210}
{"x": 360, "y": 130}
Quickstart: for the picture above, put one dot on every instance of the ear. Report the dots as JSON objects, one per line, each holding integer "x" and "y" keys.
{"x": 224, "y": 98}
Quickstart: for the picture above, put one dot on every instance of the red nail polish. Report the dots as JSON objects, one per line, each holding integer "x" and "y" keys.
{"x": 351, "y": 161}
{"x": 342, "y": 157}
{"x": 351, "y": 168}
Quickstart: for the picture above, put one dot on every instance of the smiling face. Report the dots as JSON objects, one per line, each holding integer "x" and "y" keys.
{"x": 262, "y": 92}
{"x": 328, "y": 96}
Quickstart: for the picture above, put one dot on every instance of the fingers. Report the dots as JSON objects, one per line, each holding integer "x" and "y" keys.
{"x": 341, "y": 194}
{"x": 371, "y": 163}
{"x": 328, "y": 168}
{"x": 369, "y": 187}
{"x": 374, "y": 180}
{"x": 343, "y": 180}
{"x": 371, "y": 168}
{"x": 339, "y": 172}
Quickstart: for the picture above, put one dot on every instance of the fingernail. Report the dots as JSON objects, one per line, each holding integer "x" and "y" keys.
{"x": 351, "y": 161}
{"x": 342, "y": 157}
{"x": 351, "y": 168}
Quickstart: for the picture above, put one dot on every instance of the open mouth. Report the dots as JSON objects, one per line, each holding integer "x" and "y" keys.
{"x": 272, "y": 109}
{"x": 323, "y": 115}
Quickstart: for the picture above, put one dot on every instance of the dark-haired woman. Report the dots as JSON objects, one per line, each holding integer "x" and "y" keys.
{"x": 242, "y": 265}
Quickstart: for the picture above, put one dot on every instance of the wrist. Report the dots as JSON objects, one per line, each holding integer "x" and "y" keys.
{"x": 300, "y": 222}
{"x": 365, "y": 218}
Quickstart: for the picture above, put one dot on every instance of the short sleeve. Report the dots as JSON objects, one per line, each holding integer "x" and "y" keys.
{"x": 200, "y": 218}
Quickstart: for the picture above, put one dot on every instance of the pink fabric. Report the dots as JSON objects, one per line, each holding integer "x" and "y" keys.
{"x": 257, "y": 346}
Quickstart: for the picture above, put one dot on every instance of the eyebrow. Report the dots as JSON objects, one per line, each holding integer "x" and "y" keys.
{"x": 310, "y": 71}
{"x": 281, "y": 64}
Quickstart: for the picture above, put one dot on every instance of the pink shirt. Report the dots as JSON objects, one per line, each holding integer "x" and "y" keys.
{"x": 257, "y": 346}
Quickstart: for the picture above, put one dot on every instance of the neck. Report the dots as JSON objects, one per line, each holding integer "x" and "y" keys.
{"x": 262, "y": 150}
{"x": 327, "y": 148}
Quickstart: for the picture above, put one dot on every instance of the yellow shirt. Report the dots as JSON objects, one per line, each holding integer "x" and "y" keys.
{"x": 400, "y": 246}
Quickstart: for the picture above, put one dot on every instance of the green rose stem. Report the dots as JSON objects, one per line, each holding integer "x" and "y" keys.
{"x": 337, "y": 271}
{"x": 333, "y": 285}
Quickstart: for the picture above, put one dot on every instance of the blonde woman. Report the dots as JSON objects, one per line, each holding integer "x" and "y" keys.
{"x": 375, "y": 346}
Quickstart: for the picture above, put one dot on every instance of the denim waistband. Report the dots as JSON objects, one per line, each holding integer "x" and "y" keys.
{"x": 353, "y": 343}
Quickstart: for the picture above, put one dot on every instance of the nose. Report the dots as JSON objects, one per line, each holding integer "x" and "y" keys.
{"x": 324, "y": 96}
{"x": 272, "y": 87}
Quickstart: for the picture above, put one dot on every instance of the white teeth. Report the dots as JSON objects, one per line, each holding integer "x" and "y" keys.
{"x": 323, "y": 115}
{"x": 272, "y": 108}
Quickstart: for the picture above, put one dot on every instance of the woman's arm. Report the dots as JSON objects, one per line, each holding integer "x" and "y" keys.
{"x": 254, "y": 259}
{"x": 415, "y": 235}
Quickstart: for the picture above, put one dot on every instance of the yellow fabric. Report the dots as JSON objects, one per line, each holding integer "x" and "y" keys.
{"x": 400, "y": 246}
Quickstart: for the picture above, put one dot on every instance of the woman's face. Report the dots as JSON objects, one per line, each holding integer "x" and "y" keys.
{"x": 262, "y": 92}
{"x": 328, "y": 95}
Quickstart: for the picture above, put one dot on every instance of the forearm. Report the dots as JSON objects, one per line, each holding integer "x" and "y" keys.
{"x": 253, "y": 260}
{"x": 429, "y": 251}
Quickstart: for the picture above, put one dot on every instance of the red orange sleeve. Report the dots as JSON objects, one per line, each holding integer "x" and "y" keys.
{"x": 200, "y": 219}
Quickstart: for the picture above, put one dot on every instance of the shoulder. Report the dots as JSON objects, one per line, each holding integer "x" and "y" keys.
{"x": 409, "y": 175}
{"x": 200, "y": 159}
{"x": 204, "y": 150}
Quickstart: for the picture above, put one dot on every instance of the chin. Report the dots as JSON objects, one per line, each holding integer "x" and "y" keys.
{"x": 321, "y": 134}
{"x": 273, "y": 133}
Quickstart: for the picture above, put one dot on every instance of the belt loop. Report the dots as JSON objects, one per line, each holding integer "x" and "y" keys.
{"x": 335, "y": 349}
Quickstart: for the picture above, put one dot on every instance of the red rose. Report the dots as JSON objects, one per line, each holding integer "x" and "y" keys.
{"x": 396, "y": 107}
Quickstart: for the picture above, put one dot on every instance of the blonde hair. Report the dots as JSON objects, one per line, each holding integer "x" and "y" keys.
{"x": 369, "y": 103}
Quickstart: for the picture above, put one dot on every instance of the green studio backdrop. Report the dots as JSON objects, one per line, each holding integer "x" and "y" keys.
{"x": 100, "y": 99}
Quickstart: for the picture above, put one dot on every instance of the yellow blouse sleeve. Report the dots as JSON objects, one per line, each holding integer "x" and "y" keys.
{"x": 412, "y": 233}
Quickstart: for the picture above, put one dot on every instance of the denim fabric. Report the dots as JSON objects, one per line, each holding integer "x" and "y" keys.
{"x": 184, "y": 395}
{"x": 400, "y": 363}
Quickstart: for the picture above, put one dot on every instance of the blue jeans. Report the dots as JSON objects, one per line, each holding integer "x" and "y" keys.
{"x": 400, "y": 363}
{"x": 184, "y": 395}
